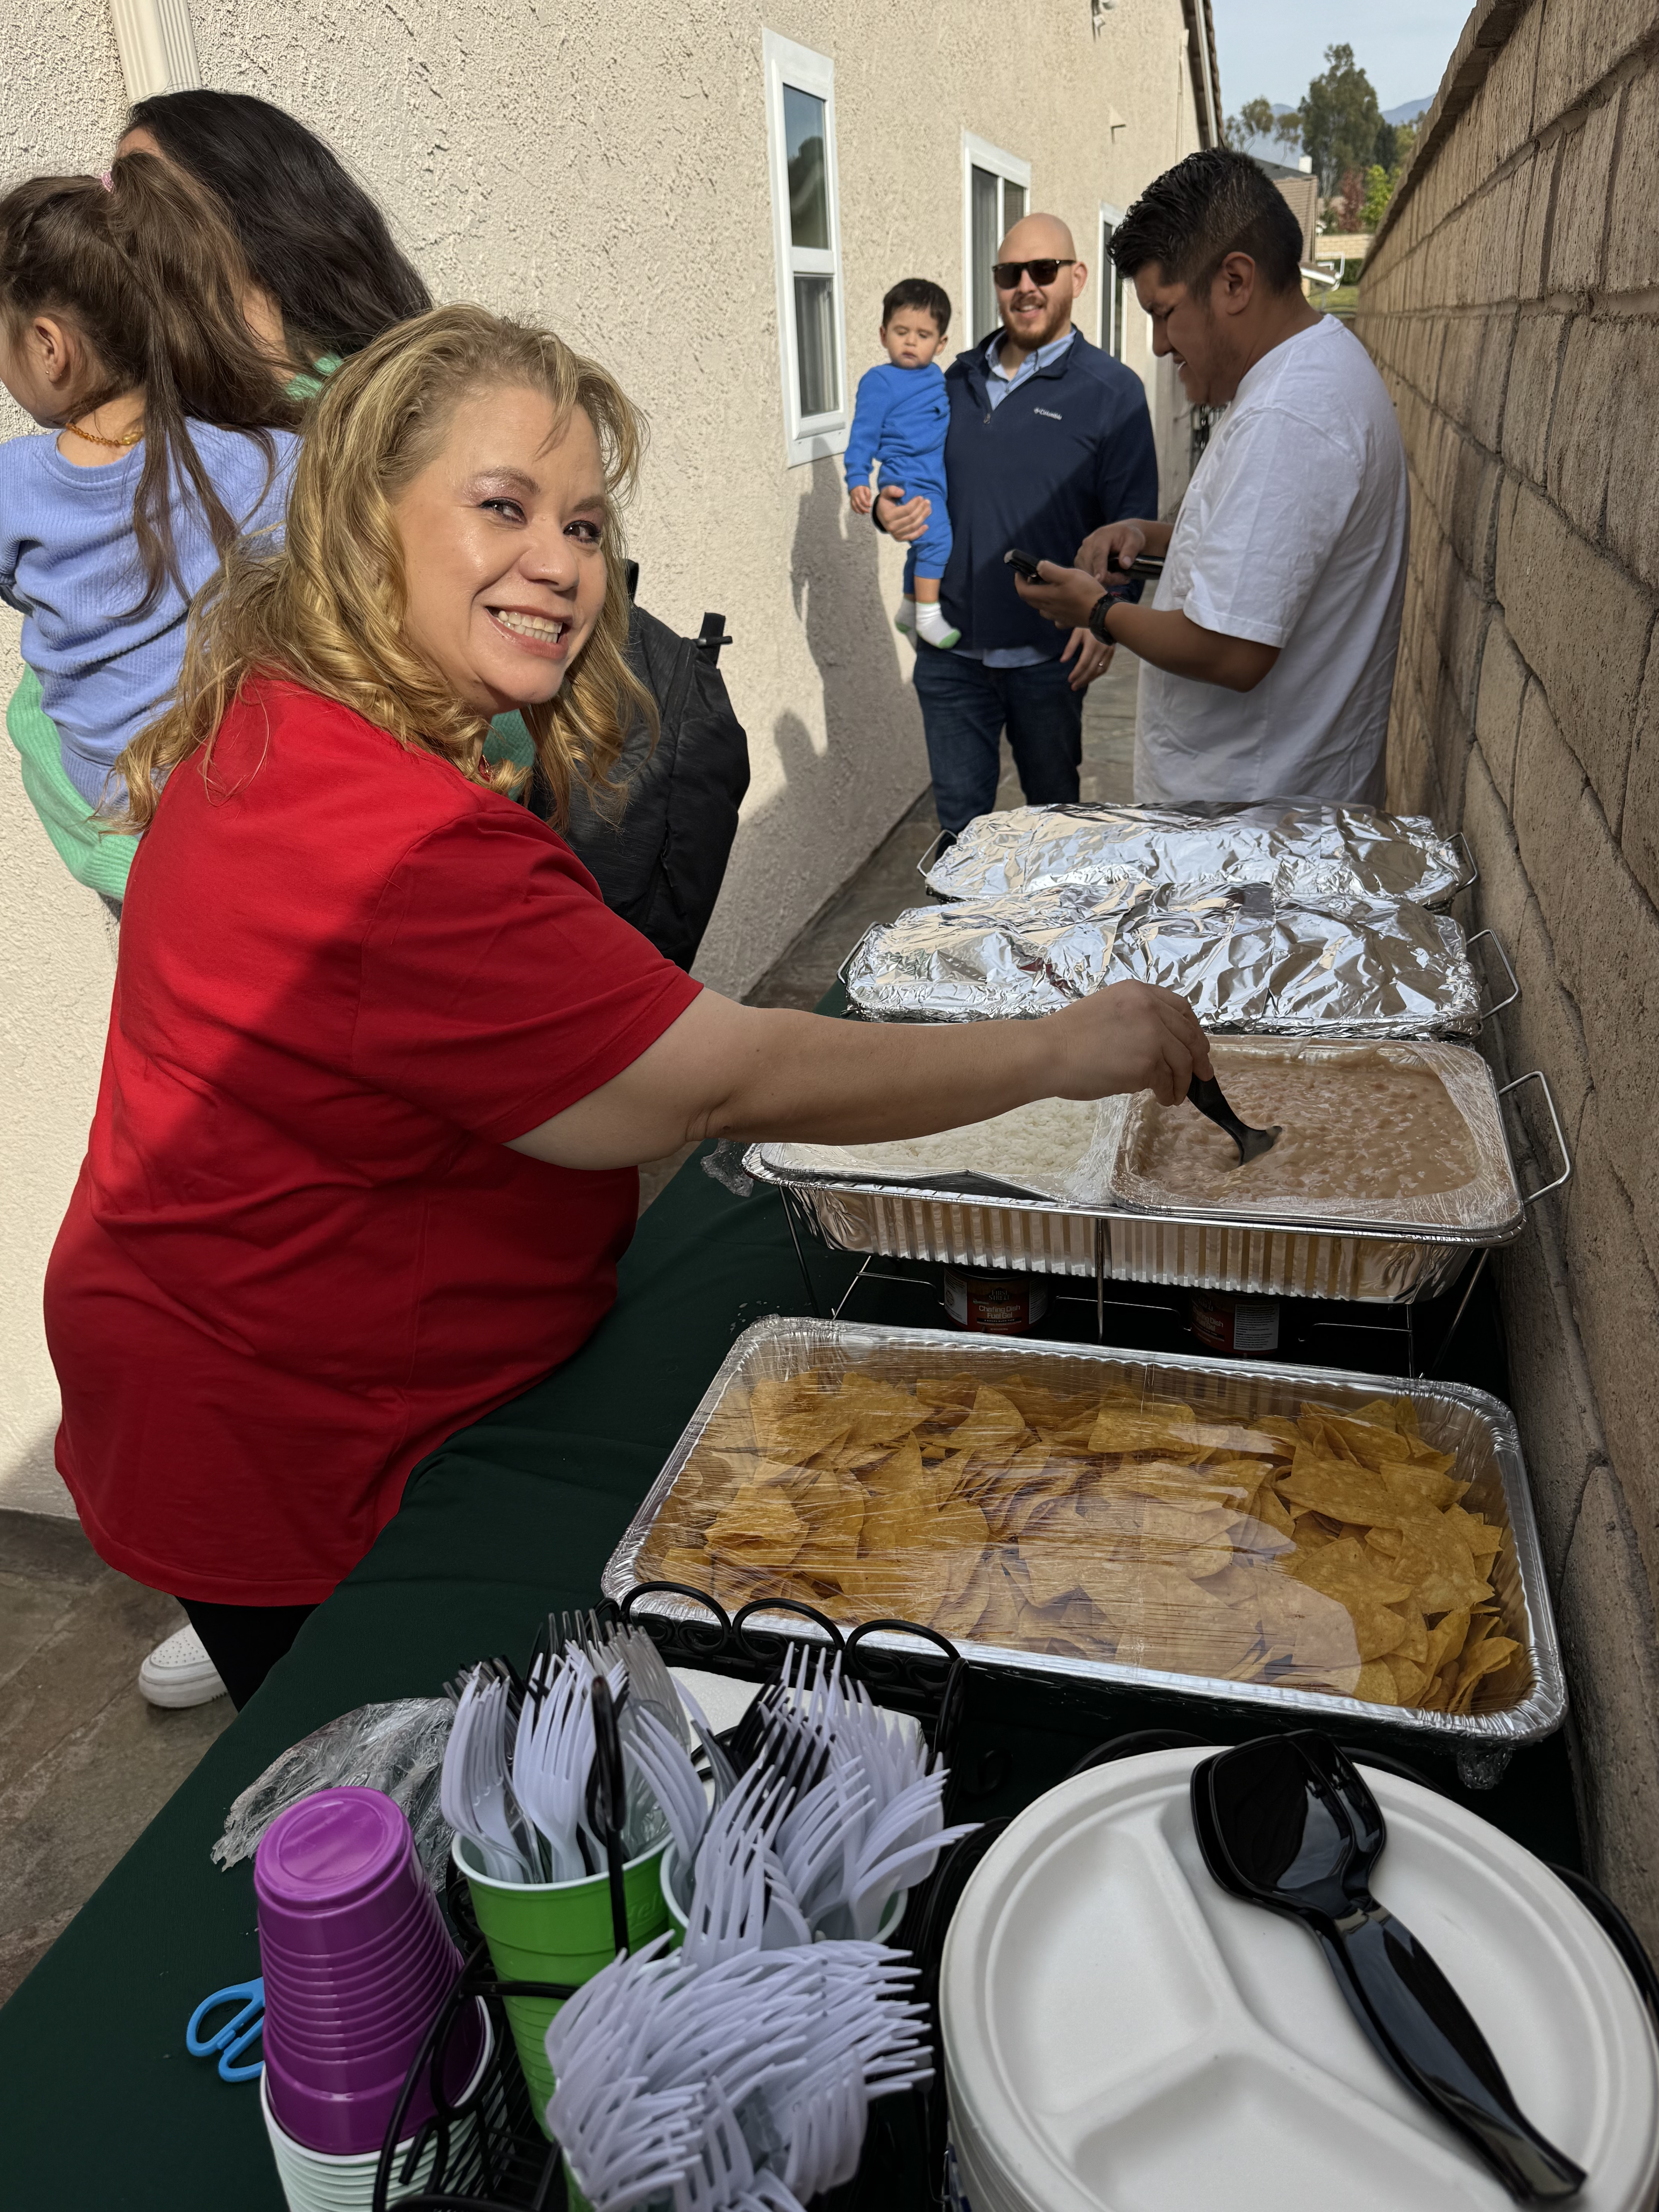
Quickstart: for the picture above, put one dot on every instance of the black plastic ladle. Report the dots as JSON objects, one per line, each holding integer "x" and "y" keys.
{"x": 1204, "y": 1092}
{"x": 1289, "y": 1823}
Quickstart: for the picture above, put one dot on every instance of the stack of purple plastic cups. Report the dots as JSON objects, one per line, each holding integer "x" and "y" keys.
{"x": 357, "y": 1961}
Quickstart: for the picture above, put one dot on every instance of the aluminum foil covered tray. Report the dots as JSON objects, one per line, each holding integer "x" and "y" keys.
{"x": 1243, "y": 959}
{"x": 1303, "y": 852}
{"x": 1299, "y": 1538}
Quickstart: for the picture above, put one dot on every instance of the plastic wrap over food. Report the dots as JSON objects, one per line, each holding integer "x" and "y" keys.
{"x": 396, "y": 1748}
{"x": 1243, "y": 959}
{"x": 1114, "y": 1515}
{"x": 1305, "y": 852}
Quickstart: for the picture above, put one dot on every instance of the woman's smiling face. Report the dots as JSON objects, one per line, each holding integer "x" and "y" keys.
{"x": 503, "y": 533}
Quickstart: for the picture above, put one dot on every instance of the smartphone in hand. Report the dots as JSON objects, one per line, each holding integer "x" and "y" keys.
{"x": 1022, "y": 564}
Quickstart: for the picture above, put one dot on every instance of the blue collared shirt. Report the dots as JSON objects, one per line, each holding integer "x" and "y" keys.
{"x": 998, "y": 385}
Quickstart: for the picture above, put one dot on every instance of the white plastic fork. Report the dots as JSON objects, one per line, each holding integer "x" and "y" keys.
{"x": 675, "y": 1783}
{"x": 473, "y": 1784}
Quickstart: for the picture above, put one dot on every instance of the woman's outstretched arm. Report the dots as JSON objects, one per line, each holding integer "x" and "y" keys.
{"x": 723, "y": 1070}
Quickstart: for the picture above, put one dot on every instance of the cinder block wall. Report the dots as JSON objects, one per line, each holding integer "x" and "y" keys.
{"x": 1512, "y": 302}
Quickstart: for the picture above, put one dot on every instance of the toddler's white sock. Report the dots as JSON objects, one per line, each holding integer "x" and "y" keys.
{"x": 905, "y": 620}
{"x": 932, "y": 627}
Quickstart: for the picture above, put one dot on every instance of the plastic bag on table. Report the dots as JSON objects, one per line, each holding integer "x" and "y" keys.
{"x": 724, "y": 1166}
{"x": 398, "y": 1749}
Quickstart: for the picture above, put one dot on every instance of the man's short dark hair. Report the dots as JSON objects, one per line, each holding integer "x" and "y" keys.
{"x": 917, "y": 292}
{"x": 1212, "y": 204}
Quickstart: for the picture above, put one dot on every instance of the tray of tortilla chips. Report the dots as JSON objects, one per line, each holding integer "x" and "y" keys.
{"x": 1300, "y": 1537}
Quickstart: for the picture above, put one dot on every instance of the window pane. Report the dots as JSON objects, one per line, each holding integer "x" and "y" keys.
{"x": 814, "y": 344}
{"x": 1014, "y": 206}
{"x": 987, "y": 237}
{"x": 1111, "y": 297}
{"x": 809, "y": 186}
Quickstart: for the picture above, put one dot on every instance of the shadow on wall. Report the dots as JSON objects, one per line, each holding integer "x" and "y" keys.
{"x": 844, "y": 793}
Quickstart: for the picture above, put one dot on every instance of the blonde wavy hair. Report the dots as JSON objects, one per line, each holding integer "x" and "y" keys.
{"x": 327, "y": 609}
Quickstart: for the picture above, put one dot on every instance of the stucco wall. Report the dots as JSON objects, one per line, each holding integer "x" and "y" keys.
{"x": 603, "y": 168}
{"x": 1510, "y": 303}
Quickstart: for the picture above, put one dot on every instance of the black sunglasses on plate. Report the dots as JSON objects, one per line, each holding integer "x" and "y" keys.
{"x": 1005, "y": 275}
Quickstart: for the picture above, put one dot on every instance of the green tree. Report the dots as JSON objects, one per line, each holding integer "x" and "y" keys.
{"x": 1287, "y": 129}
{"x": 1339, "y": 119}
{"x": 1379, "y": 189}
{"x": 1255, "y": 120}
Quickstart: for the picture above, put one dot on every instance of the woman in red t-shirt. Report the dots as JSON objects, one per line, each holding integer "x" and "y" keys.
{"x": 380, "y": 1062}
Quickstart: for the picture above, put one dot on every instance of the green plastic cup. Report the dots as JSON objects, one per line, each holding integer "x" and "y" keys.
{"x": 556, "y": 1931}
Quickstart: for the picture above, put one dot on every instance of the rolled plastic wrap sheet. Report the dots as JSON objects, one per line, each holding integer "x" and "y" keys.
{"x": 1305, "y": 852}
{"x": 1243, "y": 959}
{"x": 1312, "y": 1539}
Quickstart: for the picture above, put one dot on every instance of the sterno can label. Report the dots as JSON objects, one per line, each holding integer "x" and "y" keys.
{"x": 995, "y": 1305}
{"x": 1227, "y": 1323}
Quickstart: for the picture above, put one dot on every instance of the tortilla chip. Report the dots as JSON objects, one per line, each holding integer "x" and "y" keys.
{"x": 1490, "y": 1657}
{"x": 952, "y": 1393}
{"x": 759, "y": 1529}
{"x": 1122, "y": 1429}
{"x": 1409, "y": 1680}
{"x": 1343, "y": 1570}
{"x": 994, "y": 1423}
{"x": 1340, "y": 1489}
{"x": 1416, "y": 1489}
{"x": 1377, "y": 1685}
{"x": 1436, "y": 1561}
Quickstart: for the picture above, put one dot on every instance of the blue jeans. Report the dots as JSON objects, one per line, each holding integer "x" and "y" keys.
{"x": 965, "y": 708}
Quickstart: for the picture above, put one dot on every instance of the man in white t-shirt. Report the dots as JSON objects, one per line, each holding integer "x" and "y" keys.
{"x": 1270, "y": 642}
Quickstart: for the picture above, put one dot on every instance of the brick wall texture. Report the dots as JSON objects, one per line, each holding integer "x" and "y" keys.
{"x": 1511, "y": 301}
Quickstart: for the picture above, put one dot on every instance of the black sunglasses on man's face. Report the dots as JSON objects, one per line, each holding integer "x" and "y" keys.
{"x": 1006, "y": 275}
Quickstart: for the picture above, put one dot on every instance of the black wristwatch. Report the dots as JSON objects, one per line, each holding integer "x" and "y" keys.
{"x": 1098, "y": 614}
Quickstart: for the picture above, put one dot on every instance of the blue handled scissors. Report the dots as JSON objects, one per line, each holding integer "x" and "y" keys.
{"x": 244, "y": 2027}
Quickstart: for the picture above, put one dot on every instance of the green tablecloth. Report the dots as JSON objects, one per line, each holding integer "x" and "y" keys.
{"x": 514, "y": 1516}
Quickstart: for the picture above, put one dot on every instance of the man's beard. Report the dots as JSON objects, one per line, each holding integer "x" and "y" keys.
{"x": 1057, "y": 314}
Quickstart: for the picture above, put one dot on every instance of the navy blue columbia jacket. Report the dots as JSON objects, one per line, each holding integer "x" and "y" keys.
{"x": 1069, "y": 450}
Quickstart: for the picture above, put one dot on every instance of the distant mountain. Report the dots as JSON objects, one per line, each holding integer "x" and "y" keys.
{"x": 1409, "y": 113}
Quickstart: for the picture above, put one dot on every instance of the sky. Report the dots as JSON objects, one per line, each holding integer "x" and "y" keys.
{"x": 1272, "y": 48}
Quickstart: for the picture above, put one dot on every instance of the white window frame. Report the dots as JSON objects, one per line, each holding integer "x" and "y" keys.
{"x": 1111, "y": 296}
{"x": 816, "y": 437}
{"x": 980, "y": 154}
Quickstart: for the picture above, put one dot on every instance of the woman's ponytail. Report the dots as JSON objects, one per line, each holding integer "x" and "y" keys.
{"x": 148, "y": 270}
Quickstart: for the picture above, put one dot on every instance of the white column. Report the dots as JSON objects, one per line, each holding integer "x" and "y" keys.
{"x": 157, "y": 46}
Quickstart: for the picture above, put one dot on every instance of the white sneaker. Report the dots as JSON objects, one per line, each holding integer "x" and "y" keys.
{"x": 179, "y": 1672}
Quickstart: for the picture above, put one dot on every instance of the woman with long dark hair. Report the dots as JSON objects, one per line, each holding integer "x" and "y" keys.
{"x": 319, "y": 246}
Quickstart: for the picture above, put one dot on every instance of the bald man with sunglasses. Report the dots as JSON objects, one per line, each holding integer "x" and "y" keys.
{"x": 1048, "y": 436}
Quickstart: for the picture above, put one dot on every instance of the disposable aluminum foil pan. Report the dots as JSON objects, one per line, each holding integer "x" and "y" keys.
{"x": 1243, "y": 961}
{"x": 1303, "y": 852}
{"x": 1522, "y": 1706}
{"x": 1262, "y": 1253}
{"x": 1284, "y": 1262}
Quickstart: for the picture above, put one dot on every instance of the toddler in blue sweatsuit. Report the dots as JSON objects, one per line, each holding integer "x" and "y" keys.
{"x": 900, "y": 421}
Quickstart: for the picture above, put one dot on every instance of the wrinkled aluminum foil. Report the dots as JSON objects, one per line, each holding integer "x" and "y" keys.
{"x": 1303, "y": 852}
{"x": 1244, "y": 960}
